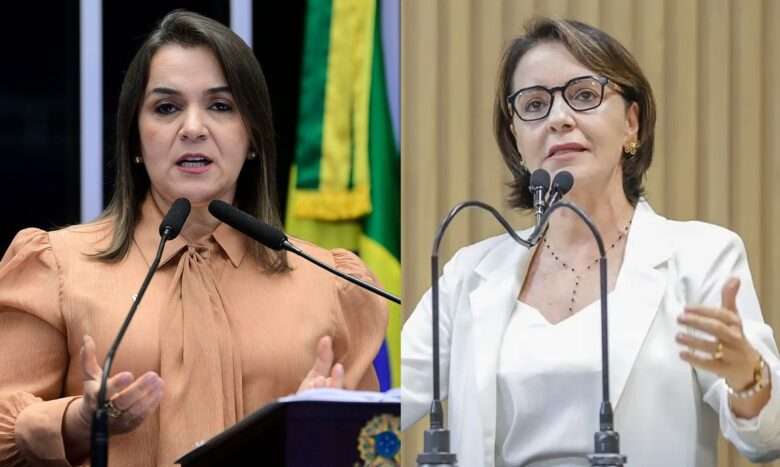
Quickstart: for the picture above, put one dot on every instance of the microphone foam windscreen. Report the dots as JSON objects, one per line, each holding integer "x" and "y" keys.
{"x": 248, "y": 225}
{"x": 175, "y": 218}
{"x": 540, "y": 178}
{"x": 563, "y": 182}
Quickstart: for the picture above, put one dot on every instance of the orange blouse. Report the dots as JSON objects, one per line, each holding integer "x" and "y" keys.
{"x": 226, "y": 336}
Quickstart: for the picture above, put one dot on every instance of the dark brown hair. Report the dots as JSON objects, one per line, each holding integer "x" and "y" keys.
{"x": 256, "y": 185}
{"x": 604, "y": 55}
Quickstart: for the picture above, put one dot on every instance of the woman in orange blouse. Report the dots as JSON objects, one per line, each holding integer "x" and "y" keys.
{"x": 226, "y": 325}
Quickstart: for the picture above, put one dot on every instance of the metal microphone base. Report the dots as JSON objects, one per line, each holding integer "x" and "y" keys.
{"x": 611, "y": 460}
{"x": 607, "y": 443}
{"x": 436, "y": 447}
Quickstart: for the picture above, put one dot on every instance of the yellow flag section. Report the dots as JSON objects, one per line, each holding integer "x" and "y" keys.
{"x": 345, "y": 184}
{"x": 337, "y": 187}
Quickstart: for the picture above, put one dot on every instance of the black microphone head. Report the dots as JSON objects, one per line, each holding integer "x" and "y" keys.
{"x": 540, "y": 179}
{"x": 248, "y": 225}
{"x": 562, "y": 183}
{"x": 174, "y": 220}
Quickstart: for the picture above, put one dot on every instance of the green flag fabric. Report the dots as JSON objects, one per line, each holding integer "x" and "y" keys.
{"x": 345, "y": 183}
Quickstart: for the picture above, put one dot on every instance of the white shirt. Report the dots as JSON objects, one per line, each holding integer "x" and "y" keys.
{"x": 549, "y": 388}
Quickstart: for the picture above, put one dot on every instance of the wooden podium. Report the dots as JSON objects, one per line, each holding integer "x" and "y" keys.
{"x": 305, "y": 433}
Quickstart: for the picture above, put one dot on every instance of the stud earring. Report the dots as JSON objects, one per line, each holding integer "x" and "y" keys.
{"x": 252, "y": 155}
{"x": 138, "y": 160}
{"x": 631, "y": 148}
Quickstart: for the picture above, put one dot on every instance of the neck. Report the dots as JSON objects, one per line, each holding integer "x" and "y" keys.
{"x": 200, "y": 223}
{"x": 608, "y": 208}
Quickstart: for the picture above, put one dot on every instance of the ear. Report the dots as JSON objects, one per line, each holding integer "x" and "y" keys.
{"x": 632, "y": 122}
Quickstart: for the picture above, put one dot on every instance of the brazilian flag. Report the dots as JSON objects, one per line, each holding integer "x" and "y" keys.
{"x": 345, "y": 183}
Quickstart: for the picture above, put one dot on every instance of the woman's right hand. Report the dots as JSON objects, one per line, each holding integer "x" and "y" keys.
{"x": 135, "y": 398}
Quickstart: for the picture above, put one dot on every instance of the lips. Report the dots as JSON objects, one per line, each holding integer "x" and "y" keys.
{"x": 191, "y": 161}
{"x": 566, "y": 147}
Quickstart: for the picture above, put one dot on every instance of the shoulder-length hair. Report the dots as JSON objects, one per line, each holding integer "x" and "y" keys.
{"x": 256, "y": 185}
{"x": 604, "y": 55}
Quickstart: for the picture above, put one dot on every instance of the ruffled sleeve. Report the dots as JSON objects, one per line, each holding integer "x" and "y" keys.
{"x": 361, "y": 325}
{"x": 34, "y": 354}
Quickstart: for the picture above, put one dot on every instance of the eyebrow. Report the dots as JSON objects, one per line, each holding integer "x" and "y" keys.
{"x": 173, "y": 92}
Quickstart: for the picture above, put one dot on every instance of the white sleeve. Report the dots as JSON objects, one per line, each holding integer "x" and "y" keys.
{"x": 758, "y": 438}
{"x": 417, "y": 345}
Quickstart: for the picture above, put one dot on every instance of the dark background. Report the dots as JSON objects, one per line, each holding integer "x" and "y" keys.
{"x": 39, "y": 96}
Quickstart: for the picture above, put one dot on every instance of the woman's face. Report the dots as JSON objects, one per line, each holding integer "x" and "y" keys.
{"x": 588, "y": 143}
{"x": 193, "y": 139}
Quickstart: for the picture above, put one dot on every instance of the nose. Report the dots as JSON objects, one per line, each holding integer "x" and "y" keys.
{"x": 561, "y": 115}
{"x": 193, "y": 126}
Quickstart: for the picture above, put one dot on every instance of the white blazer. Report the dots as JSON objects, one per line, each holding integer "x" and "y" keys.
{"x": 659, "y": 400}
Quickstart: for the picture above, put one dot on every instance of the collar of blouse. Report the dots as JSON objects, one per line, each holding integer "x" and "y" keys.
{"x": 147, "y": 237}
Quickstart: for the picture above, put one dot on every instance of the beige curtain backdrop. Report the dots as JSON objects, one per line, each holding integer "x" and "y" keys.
{"x": 715, "y": 69}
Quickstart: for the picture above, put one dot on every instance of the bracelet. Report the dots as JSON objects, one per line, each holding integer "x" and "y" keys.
{"x": 760, "y": 381}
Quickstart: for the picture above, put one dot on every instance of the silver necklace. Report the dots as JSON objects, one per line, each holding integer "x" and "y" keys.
{"x": 578, "y": 275}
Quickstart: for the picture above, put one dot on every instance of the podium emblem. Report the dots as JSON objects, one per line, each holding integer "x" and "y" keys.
{"x": 379, "y": 442}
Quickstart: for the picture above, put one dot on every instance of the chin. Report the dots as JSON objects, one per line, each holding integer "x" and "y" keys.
{"x": 571, "y": 168}
{"x": 200, "y": 202}
{"x": 198, "y": 193}
{"x": 196, "y": 199}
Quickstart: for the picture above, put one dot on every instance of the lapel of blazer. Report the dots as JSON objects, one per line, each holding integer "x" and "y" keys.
{"x": 638, "y": 295}
{"x": 502, "y": 272}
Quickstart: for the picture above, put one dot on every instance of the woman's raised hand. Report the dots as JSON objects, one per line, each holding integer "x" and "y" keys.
{"x": 324, "y": 374}
{"x": 730, "y": 354}
{"x": 132, "y": 400}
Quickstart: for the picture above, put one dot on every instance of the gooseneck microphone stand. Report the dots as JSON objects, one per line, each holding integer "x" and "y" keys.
{"x": 169, "y": 229}
{"x": 99, "y": 444}
{"x": 436, "y": 440}
{"x": 366, "y": 285}
{"x": 606, "y": 440}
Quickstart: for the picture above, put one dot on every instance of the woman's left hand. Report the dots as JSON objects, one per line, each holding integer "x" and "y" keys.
{"x": 732, "y": 356}
{"x": 324, "y": 374}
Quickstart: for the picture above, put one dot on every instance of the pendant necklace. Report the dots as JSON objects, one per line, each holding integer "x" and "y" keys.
{"x": 578, "y": 275}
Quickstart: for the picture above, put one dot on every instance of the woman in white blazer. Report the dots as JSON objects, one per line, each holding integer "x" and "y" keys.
{"x": 520, "y": 355}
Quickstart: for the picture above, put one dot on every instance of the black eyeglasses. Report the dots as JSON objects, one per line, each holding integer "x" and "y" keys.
{"x": 581, "y": 94}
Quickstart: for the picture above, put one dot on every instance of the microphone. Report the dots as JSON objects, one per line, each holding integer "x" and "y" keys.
{"x": 171, "y": 225}
{"x": 561, "y": 184}
{"x": 250, "y": 226}
{"x": 169, "y": 229}
{"x": 539, "y": 186}
{"x": 275, "y": 239}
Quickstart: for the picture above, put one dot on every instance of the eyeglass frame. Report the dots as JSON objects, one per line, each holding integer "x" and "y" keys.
{"x": 603, "y": 80}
